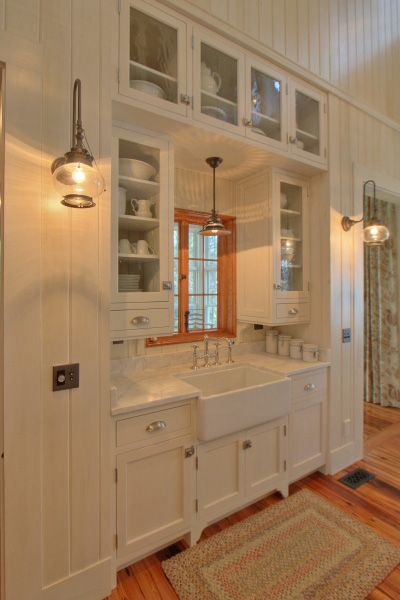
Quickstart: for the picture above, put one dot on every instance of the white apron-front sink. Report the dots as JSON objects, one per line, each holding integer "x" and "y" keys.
{"x": 237, "y": 397}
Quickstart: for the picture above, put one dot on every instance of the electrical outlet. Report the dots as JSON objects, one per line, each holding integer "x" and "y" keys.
{"x": 65, "y": 377}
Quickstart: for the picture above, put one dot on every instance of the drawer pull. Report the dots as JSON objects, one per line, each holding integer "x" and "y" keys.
{"x": 310, "y": 387}
{"x": 156, "y": 426}
{"x": 140, "y": 321}
{"x": 292, "y": 311}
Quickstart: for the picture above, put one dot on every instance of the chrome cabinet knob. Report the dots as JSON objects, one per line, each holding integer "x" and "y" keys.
{"x": 156, "y": 426}
{"x": 310, "y": 387}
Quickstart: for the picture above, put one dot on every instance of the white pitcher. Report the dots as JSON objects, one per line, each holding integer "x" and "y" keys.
{"x": 142, "y": 207}
{"x": 210, "y": 81}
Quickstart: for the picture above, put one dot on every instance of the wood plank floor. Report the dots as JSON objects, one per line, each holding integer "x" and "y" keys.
{"x": 376, "y": 503}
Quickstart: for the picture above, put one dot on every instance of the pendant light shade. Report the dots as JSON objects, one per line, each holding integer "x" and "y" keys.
{"x": 375, "y": 233}
{"x": 75, "y": 175}
{"x": 214, "y": 225}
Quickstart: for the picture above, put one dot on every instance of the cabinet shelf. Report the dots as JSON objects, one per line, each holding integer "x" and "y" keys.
{"x": 305, "y": 134}
{"x": 219, "y": 99}
{"x": 270, "y": 120}
{"x": 150, "y": 71}
{"x": 292, "y": 239}
{"x": 283, "y": 266}
{"x": 288, "y": 211}
{"x": 138, "y": 257}
{"x": 142, "y": 187}
{"x": 132, "y": 223}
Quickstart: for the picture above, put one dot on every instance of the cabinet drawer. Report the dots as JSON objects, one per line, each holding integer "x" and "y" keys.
{"x": 154, "y": 427}
{"x": 138, "y": 320}
{"x": 309, "y": 385}
{"x": 292, "y": 311}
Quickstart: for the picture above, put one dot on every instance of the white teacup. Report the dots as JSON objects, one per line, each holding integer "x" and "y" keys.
{"x": 143, "y": 248}
{"x": 122, "y": 201}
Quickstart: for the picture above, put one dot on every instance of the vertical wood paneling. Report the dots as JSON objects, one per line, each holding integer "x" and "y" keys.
{"x": 235, "y": 13}
{"x": 304, "y": 35}
{"x": 369, "y": 70}
{"x": 359, "y": 66}
{"x": 266, "y": 21}
{"x": 314, "y": 36}
{"x": 278, "y": 29}
{"x": 352, "y": 46}
{"x": 252, "y": 19}
{"x": 219, "y": 8}
{"x": 56, "y": 22}
{"x": 324, "y": 39}
{"x": 334, "y": 42}
{"x": 292, "y": 29}
{"x": 343, "y": 45}
{"x": 23, "y": 18}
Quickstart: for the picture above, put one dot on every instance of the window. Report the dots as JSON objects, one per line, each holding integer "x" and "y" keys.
{"x": 204, "y": 280}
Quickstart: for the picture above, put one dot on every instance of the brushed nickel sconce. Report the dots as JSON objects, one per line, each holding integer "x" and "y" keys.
{"x": 74, "y": 175}
{"x": 375, "y": 233}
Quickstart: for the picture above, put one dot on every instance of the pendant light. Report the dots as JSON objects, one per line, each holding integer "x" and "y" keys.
{"x": 214, "y": 226}
{"x": 375, "y": 233}
{"x": 74, "y": 175}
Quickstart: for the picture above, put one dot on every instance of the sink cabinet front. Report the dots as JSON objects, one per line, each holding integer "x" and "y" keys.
{"x": 236, "y": 469}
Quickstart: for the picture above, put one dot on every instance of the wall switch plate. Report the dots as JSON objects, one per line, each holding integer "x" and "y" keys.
{"x": 65, "y": 377}
{"x": 346, "y": 335}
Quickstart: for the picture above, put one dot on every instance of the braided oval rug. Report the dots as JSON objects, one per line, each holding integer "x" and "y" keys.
{"x": 302, "y": 548}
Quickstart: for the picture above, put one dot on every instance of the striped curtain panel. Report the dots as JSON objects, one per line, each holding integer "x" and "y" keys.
{"x": 381, "y": 314}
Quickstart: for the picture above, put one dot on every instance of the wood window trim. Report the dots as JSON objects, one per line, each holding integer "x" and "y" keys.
{"x": 226, "y": 275}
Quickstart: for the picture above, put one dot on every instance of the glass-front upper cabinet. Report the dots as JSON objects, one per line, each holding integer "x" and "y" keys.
{"x": 266, "y": 104}
{"x": 307, "y": 129}
{"x": 218, "y": 70}
{"x": 153, "y": 59}
{"x": 290, "y": 207}
{"x": 141, "y": 219}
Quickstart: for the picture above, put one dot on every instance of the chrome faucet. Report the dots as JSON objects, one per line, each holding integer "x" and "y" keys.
{"x": 206, "y": 356}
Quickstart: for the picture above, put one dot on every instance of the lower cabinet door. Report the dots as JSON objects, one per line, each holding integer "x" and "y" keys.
{"x": 307, "y": 436}
{"x": 220, "y": 478}
{"x": 265, "y": 458}
{"x": 155, "y": 497}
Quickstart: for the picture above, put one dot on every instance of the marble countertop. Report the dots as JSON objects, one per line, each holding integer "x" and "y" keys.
{"x": 145, "y": 389}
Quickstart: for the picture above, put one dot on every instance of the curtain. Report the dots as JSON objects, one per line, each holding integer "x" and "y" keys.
{"x": 381, "y": 317}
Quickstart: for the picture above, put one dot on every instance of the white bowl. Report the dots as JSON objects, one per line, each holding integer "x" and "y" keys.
{"x": 147, "y": 87}
{"x": 130, "y": 167}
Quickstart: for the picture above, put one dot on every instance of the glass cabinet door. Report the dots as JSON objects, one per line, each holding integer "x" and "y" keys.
{"x": 292, "y": 236}
{"x": 153, "y": 56}
{"x": 218, "y": 85}
{"x": 307, "y": 135}
{"x": 265, "y": 104}
{"x": 140, "y": 209}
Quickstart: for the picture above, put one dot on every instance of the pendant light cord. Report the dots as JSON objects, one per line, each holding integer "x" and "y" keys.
{"x": 213, "y": 191}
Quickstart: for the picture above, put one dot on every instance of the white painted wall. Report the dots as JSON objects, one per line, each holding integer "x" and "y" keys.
{"x": 57, "y": 459}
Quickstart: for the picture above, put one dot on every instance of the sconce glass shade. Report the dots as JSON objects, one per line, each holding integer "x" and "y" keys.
{"x": 77, "y": 182}
{"x": 375, "y": 234}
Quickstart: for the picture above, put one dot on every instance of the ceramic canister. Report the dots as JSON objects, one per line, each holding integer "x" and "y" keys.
{"x": 310, "y": 353}
{"x": 283, "y": 345}
{"x": 271, "y": 341}
{"x": 296, "y": 348}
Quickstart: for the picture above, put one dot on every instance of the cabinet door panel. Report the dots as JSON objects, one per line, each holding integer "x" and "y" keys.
{"x": 265, "y": 459}
{"x": 154, "y": 493}
{"x": 153, "y": 55}
{"x": 307, "y": 131}
{"x": 220, "y": 477}
{"x": 307, "y": 437}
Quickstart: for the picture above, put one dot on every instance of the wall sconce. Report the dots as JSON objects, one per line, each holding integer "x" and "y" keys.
{"x": 74, "y": 175}
{"x": 375, "y": 233}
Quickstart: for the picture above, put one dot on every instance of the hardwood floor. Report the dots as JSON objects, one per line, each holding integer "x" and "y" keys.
{"x": 376, "y": 503}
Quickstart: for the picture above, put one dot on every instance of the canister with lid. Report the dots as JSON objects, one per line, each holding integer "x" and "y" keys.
{"x": 271, "y": 341}
{"x": 283, "y": 345}
{"x": 296, "y": 348}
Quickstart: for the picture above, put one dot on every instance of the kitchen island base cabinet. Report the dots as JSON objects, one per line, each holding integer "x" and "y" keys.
{"x": 236, "y": 470}
{"x": 155, "y": 492}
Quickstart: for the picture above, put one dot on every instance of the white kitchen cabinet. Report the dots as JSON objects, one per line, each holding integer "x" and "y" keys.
{"x": 155, "y": 497}
{"x": 273, "y": 249}
{"x": 307, "y": 122}
{"x": 236, "y": 469}
{"x": 266, "y": 104}
{"x": 141, "y": 272}
{"x": 218, "y": 78}
{"x": 308, "y": 423}
{"x": 153, "y": 56}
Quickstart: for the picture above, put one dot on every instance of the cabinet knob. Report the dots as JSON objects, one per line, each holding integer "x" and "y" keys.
{"x": 292, "y": 311}
{"x": 156, "y": 426}
{"x": 185, "y": 99}
{"x": 277, "y": 286}
{"x": 247, "y": 122}
{"x": 310, "y": 387}
{"x": 247, "y": 444}
{"x": 292, "y": 139}
{"x": 140, "y": 321}
{"x": 167, "y": 285}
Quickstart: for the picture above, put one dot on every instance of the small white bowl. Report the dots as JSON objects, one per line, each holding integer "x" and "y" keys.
{"x": 147, "y": 87}
{"x": 130, "y": 167}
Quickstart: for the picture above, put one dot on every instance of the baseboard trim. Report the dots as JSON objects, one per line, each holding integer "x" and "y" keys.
{"x": 89, "y": 584}
{"x": 342, "y": 457}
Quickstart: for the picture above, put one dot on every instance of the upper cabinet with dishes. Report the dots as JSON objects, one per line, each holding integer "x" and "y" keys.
{"x": 171, "y": 66}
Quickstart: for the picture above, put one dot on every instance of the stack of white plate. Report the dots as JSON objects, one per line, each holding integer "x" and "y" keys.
{"x": 129, "y": 282}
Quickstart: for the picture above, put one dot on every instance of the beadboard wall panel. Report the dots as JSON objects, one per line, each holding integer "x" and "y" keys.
{"x": 352, "y": 44}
